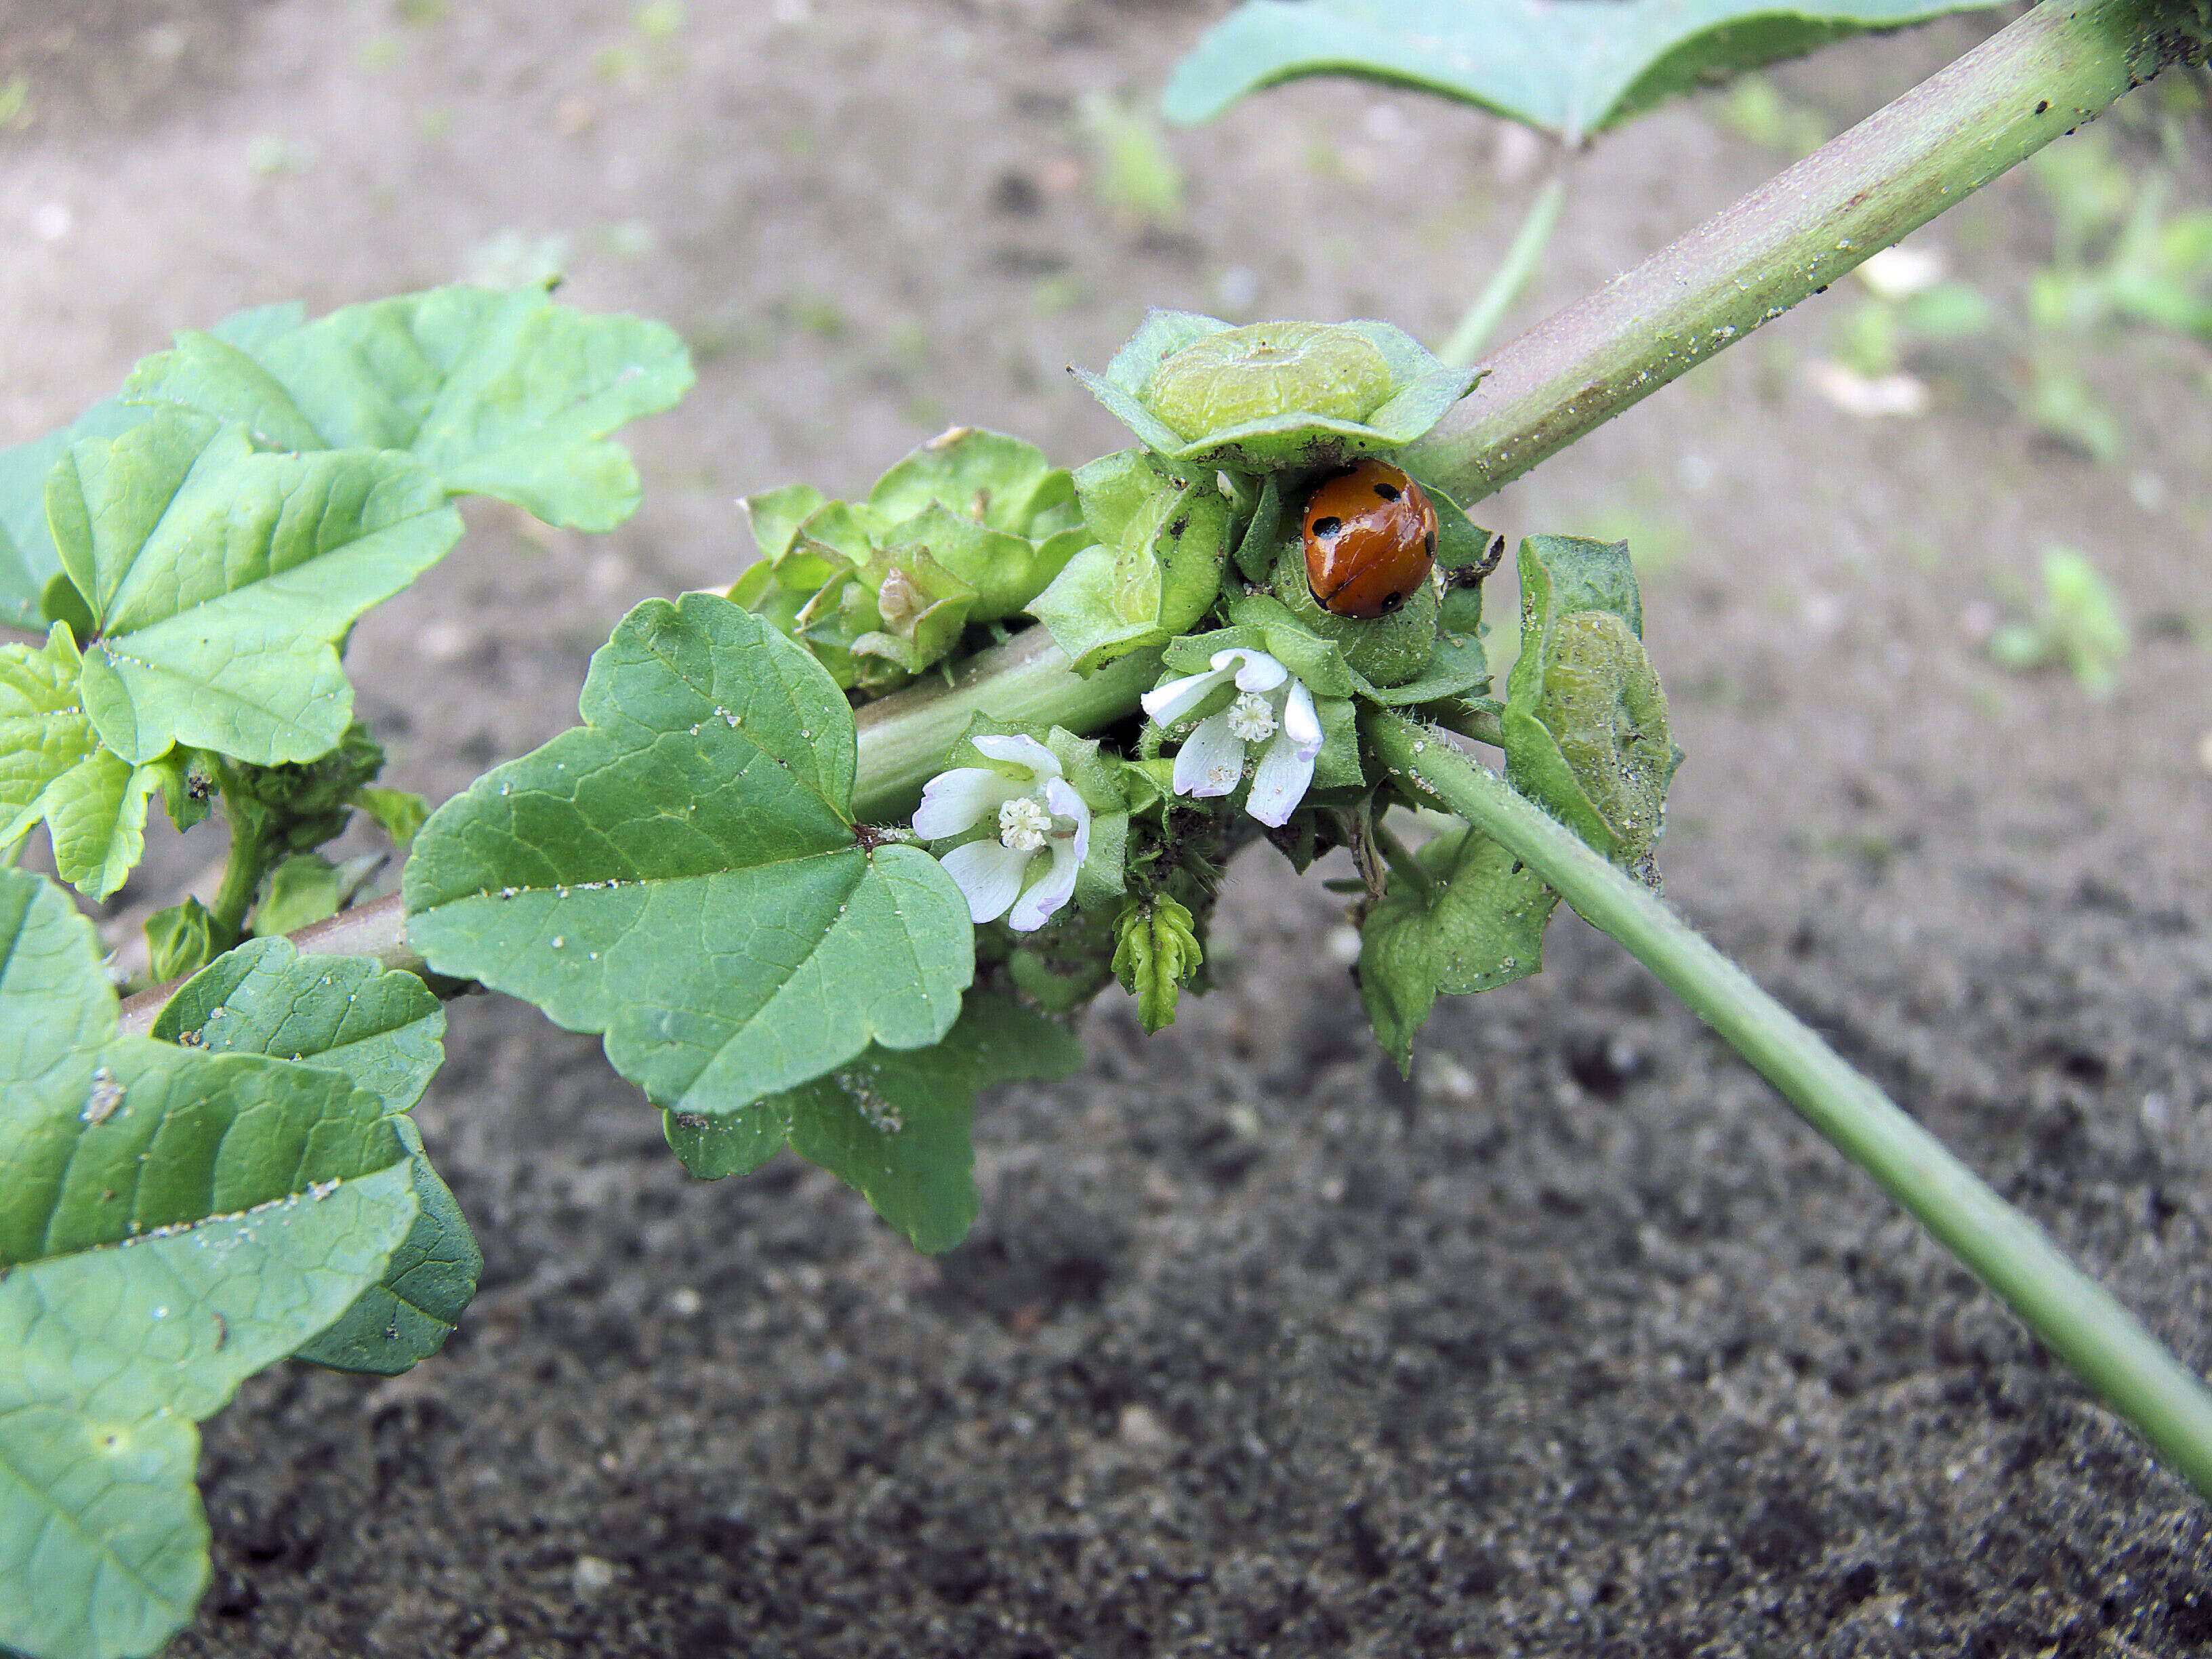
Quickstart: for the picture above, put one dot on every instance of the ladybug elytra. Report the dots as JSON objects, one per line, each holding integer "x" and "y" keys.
{"x": 1370, "y": 541}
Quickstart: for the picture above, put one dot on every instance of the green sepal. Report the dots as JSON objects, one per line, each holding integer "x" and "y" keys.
{"x": 968, "y": 528}
{"x": 1386, "y": 651}
{"x": 1274, "y": 395}
{"x": 304, "y": 889}
{"x": 1263, "y": 624}
{"x": 183, "y": 938}
{"x": 1158, "y": 949}
{"x": 1585, "y": 720}
{"x": 1155, "y": 570}
{"x": 1478, "y": 923}
{"x": 1263, "y": 531}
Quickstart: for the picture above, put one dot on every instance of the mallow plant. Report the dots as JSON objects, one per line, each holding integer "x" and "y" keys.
{"x": 832, "y": 852}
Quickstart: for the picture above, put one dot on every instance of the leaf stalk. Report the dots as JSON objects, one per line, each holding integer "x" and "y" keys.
{"x": 2069, "y": 1312}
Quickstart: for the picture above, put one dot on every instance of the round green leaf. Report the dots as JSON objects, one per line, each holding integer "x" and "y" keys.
{"x": 681, "y": 872}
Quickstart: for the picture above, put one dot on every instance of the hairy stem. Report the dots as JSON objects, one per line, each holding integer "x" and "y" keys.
{"x": 2071, "y": 1313}
{"x": 2041, "y": 76}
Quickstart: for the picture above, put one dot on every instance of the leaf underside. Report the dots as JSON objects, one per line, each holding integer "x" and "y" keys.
{"x": 1569, "y": 67}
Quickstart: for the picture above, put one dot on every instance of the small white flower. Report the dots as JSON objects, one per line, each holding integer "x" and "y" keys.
{"x": 1038, "y": 815}
{"x": 1272, "y": 707}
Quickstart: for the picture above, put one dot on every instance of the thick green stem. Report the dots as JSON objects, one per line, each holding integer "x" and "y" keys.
{"x": 904, "y": 737}
{"x": 1512, "y": 274}
{"x": 2041, "y": 76}
{"x": 2072, "y": 1315}
{"x": 241, "y": 876}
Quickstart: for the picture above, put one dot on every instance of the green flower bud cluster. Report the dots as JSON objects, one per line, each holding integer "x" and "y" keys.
{"x": 967, "y": 530}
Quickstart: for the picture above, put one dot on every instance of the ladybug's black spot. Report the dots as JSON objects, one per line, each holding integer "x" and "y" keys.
{"x": 1429, "y": 541}
{"x": 1392, "y": 602}
{"x": 1388, "y": 492}
{"x": 1324, "y": 527}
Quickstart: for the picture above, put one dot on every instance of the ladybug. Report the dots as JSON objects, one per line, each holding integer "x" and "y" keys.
{"x": 1371, "y": 539}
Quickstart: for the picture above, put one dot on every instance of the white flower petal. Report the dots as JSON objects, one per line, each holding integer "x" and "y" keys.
{"x": 1301, "y": 721}
{"x": 1212, "y": 761}
{"x": 990, "y": 874}
{"x": 1279, "y": 782}
{"x": 955, "y": 802}
{"x": 1258, "y": 672}
{"x": 1166, "y": 704}
{"x": 1036, "y": 906}
{"x": 1023, "y": 750}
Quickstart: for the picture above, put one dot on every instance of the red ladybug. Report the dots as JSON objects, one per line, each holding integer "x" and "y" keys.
{"x": 1370, "y": 541}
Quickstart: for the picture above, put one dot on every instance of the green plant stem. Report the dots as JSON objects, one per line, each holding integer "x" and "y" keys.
{"x": 2042, "y": 75}
{"x": 1512, "y": 274}
{"x": 2069, "y": 1312}
{"x": 904, "y": 737}
{"x": 241, "y": 875}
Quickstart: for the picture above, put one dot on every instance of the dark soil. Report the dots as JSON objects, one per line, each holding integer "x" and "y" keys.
{"x": 1578, "y": 1342}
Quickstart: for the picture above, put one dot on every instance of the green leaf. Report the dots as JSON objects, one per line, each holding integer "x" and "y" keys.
{"x": 57, "y": 1007}
{"x": 106, "y": 1358}
{"x": 1570, "y": 69}
{"x": 381, "y": 1028}
{"x": 171, "y": 1221}
{"x": 502, "y": 394}
{"x": 417, "y": 1303}
{"x": 52, "y": 768}
{"x": 681, "y": 872}
{"x": 304, "y": 889}
{"x": 894, "y": 1126}
{"x": 1477, "y": 923}
{"x": 1159, "y": 949}
{"x": 1011, "y": 1042}
{"x": 220, "y": 579}
{"x": 29, "y": 560}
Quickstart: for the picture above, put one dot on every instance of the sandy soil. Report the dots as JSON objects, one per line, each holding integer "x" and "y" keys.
{"x": 1579, "y": 1343}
